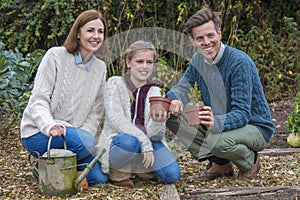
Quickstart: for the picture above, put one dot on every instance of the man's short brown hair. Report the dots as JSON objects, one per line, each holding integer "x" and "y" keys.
{"x": 201, "y": 17}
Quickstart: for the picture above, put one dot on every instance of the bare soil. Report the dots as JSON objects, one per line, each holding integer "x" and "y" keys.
{"x": 280, "y": 113}
{"x": 279, "y": 177}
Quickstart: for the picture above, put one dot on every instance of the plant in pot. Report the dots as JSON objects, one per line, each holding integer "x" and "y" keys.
{"x": 194, "y": 106}
{"x": 163, "y": 76}
{"x": 293, "y": 125}
{"x": 160, "y": 103}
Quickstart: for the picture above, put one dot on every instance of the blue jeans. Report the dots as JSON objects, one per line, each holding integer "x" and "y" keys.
{"x": 126, "y": 149}
{"x": 78, "y": 141}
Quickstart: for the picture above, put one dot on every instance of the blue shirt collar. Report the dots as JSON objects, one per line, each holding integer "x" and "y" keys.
{"x": 78, "y": 60}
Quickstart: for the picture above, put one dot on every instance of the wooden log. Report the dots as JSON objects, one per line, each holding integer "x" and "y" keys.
{"x": 168, "y": 192}
{"x": 280, "y": 151}
{"x": 239, "y": 191}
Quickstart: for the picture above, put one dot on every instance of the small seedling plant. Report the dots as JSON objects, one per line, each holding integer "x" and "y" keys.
{"x": 195, "y": 95}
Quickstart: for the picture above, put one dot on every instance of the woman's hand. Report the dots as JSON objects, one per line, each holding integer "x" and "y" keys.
{"x": 57, "y": 130}
{"x": 206, "y": 117}
{"x": 148, "y": 159}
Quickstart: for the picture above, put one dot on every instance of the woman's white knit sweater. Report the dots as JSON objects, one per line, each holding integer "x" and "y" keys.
{"x": 118, "y": 119}
{"x": 65, "y": 93}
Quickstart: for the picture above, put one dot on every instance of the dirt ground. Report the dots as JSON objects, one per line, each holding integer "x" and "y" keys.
{"x": 17, "y": 182}
{"x": 280, "y": 113}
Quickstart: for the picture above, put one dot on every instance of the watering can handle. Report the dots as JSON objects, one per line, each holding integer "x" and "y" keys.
{"x": 49, "y": 144}
{"x": 31, "y": 163}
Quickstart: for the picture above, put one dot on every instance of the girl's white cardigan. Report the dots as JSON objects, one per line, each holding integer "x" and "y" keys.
{"x": 117, "y": 104}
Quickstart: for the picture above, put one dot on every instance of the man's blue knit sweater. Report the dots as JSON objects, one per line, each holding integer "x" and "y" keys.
{"x": 232, "y": 88}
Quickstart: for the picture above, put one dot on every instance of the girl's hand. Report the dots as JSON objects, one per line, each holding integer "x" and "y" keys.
{"x": 159, "y": 116}
{"x": 148, "y": 159}
{"x": 57, "y": 130}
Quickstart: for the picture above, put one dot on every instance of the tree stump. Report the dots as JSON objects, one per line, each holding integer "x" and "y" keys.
{"x": 168, "y": 192}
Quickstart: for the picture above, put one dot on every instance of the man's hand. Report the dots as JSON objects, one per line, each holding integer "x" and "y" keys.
{"x": 206, "y": 117}
{"x": 176, "y": 107}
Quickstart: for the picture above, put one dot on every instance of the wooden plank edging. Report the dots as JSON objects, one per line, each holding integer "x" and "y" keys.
{"x": 240, "y": 191}
{"x": 169, "y": 191}
{"x": 280, "y": 151}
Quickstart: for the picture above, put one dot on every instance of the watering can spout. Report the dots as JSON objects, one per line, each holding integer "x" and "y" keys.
{"x": 88, "y": 169}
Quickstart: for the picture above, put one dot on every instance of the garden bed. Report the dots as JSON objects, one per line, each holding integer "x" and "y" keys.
{"x": 279, "y": 177}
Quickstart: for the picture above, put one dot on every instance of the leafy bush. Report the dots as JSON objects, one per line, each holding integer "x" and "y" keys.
{"x": 276, "y": 58}
{"x": 267, "y": 30}
{"x": 16, "y": 81}
{"x": 293, "y": 125}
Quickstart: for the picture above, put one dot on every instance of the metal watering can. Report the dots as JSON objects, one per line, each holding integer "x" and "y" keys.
{"x": 57, "y": 171}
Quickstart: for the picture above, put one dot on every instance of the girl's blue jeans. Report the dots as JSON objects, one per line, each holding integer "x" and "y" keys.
{"x": 78, "y": 141}
{"x": 126, "y": 148}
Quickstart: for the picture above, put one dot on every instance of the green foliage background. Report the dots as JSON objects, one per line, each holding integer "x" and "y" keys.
{"x": 267, "y": 30}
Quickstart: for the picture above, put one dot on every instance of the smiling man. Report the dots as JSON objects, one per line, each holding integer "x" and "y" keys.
{"x": 235, "y": 122}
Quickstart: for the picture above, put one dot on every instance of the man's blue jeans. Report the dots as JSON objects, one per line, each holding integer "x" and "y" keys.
{"x": 126, "y": 148}
{"x": 78, "y": 141}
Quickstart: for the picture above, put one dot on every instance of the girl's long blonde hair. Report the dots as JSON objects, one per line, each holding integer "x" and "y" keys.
{"x": 139, "y": 45}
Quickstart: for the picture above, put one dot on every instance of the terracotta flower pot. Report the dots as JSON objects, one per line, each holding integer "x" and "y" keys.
{"x": 192, "y": 114}
{"x": 159, "y": 103}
